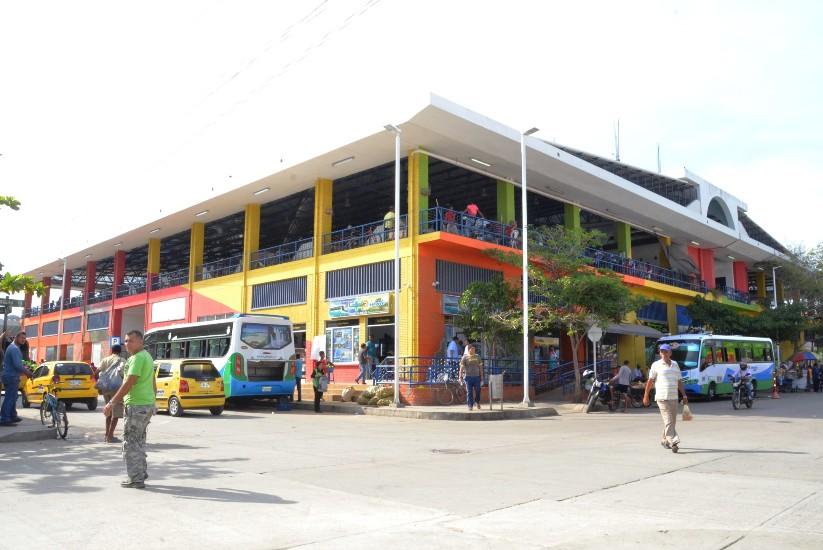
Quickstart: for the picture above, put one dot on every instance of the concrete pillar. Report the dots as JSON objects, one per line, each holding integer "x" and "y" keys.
{"x": 780, "y": 292}
{"x": 663, "y": 259}
{"x": 671, "y": 317}
{"x": 196, "y": 247}
{"x": 418, "y": 192}
{"x": 741, "y": 276}
{"x": 119, "y": 270}
{"x": 571, "y": 216}
{"x": 46, "y": 297}
{"x": 251, "y": 233}
{"x": 505, "y": 202}
{"x": 153, "y": 264}
{"x": 624, "y": 238}
{"x": 707, "y": 268}
{"x": 66, "y": 288}
{"x": 761, "y": 285}
{"x": 323, "y": 203}
{"x": 91, "y": 279}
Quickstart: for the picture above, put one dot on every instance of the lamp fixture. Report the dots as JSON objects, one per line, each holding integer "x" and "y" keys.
{"x": 337, "y": 163}
{"x": 201, "y": 213}
{"x": 155, "y": 230}
{"x": 480, "y": 162}
{"x": 531, "y": 131}
{"x": 261, "y": 191}
{"x": 659, "y": 229}
{"x": 695, "y": 243}
{"x": 392, "y": 128}
{"x": 118, "y": 244}
{"x": 87, "y": 256}
{"x": 731, "y": 258}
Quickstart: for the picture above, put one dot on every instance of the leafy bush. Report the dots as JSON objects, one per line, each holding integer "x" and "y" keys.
{"x": 384, "y": 402}
{"x": 373, "y": 401}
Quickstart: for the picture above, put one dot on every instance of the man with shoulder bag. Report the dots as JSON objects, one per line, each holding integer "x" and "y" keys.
{"x": 109, "y": 380}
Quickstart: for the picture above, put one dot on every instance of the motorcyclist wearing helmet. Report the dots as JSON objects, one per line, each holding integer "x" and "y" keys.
{"x": 745, "y": 378}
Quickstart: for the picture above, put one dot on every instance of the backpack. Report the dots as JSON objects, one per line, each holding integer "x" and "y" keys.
{"x": 111, "y": 379}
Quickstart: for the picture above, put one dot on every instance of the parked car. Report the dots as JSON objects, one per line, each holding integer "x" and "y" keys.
{"x": 73, "y": 382}
{"x": 188, "y": 384}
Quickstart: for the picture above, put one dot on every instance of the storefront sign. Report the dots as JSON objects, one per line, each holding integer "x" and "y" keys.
{"x": 451, "y": 304}
{"x": 376, "y": 304}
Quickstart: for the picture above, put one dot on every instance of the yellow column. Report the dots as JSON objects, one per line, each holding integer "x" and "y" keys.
{"x": 251, "y": 243}
{"x": 571, "y": 216}
{"x": 780, "y": 292}
{"x": 153, "y": 266}
{"x": 761, "y": 285}
{"x": 196, "y": 244}
{"x": 671, "y": 317}
{"x": 624, "y": 238}
{"x": 662, "y": 258}
{"x": 418, "y": 186}
{"x": 323, "y": 204}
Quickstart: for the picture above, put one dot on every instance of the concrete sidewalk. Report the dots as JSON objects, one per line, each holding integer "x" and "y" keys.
{"x": 27, "y": 430}
{"x": 510, "y": 411}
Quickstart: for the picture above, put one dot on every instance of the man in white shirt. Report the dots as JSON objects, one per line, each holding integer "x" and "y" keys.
{"x": 453, "y": 350}
{"x": 621, "y": 383}
{"x": 665, "y": 377}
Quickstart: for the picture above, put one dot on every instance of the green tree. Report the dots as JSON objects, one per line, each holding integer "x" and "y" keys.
{"x": 718, "y": 317}
{"x": 13, "y": 284}
{"x": 486, "y": 314}
{"x": 11, "y": 202}
{"x": 568, "y": 292}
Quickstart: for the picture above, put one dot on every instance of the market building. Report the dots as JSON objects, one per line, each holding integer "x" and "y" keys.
{"x": 313, "y": 242}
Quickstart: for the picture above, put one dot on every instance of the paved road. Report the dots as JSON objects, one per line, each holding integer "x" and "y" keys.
{"x": 748, "y": 479}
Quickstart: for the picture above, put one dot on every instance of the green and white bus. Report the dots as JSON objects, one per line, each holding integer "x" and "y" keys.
{"x": 708, "y": 362}
{"x": 254, "y": 353}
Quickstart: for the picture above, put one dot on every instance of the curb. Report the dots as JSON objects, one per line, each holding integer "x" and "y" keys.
{"x": 418, "y": 414}
{"x": 27, "y": 434}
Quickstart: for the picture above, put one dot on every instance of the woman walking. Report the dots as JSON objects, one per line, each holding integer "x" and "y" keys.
{"x": 320, "y": 379}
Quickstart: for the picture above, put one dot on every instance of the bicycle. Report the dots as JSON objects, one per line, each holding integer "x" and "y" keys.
{"x": 53, "y": 412}
{"x": 450, "y": 392}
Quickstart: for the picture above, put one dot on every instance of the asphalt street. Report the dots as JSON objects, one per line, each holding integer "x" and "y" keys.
{"x": 258, "y": 479}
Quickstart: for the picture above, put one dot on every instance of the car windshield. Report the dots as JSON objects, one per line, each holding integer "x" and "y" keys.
{"x": 263, "y": 336}
{"x": 685, "y": 353}
{"x": 72, "y": 369}
{"x": 199, "y": 371}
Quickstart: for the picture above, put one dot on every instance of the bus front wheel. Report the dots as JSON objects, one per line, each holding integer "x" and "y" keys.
{"x": 712, "y": 393}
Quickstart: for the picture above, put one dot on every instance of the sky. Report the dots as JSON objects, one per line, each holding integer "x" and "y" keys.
{"x": 113, "y": 114}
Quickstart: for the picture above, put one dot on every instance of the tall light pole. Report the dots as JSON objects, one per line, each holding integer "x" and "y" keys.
{"x": 396, "y": 228}
{"x": 774, "y": 283}
{"x": 62, "y": 305}
{"x": 527, "y": 402}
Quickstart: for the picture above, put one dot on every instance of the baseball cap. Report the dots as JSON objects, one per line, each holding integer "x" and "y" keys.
{"x": 665, "y": 347}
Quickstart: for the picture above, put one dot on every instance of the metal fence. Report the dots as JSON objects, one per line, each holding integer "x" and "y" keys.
{"x": 100, "y": 296}
{"x": 170, "y": 279}
{"x": 130, "y": 289}
{"x": 644, "y": 270}
{"x": 288, "y": 252}
{"x": 219, "y": 268}
{"x": 460, "y": 223}
{"x": 363, "y": 235}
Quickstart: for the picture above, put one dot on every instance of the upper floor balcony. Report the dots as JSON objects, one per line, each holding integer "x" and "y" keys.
{"x": 364, "y": 235}
{"x": 169, "y": 279}
{"x": 287, "y": 252}
{"x": 219, "y": 268}
{"x": 100, "y": 296}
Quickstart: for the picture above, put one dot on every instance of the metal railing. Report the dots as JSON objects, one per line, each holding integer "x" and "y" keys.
{"x": 288, "y": 252}
{"x": 130, "y": 289}
{"x": 460, "y": 223}
{"x": 618, "y": 263}
{"x": 429, "y": 371}
{"x": 737, "y": 296}
{"x": 219, "y": 268}
{"x": 363, "y": 235}
{"x": 100, "y": 296}
{"x": 31, "y": 312}
{"x": 170, "y": 279}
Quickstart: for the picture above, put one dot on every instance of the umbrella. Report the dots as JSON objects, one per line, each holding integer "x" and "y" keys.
{"x": 804, "y": 356}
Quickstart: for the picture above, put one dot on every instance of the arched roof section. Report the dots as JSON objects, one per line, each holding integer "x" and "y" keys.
{"x": 719, "y": 212}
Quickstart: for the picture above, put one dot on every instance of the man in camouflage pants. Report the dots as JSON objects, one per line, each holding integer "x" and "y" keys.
{"x": 137, "y": 393}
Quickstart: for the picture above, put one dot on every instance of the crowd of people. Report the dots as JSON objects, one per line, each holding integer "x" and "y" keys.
{"x": 800, "y": 376}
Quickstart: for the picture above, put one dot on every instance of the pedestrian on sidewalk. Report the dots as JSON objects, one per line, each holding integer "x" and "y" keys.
{"x": 471, "y": 371}
{"x": 320, "y": 379}
{"x": 371, "y": 349}
{"x": 453, "y": 352}
{"x": 364, "y": 361}
{"x": 664, "y": 376}
{"x": 298, "y": 376}
{"x": 111, "y": 368}
{"x": 137, "y": 394}
{"x": 621, "y": 382}
{"x": 13, "y": 369}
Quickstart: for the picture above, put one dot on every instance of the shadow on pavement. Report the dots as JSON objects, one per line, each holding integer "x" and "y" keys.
{"x": 217, "y": 495}
{"x": 695, "y": 450}
{"x": 50, "y": 467}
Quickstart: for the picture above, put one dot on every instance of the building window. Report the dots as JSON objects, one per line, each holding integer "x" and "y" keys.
{"x": 453, "y": 278}
{"x": 381, "y": 333}
{"x": 279, "y": 293}
{"x": 50, "y": 329}
{"x": 51, "y": 351}
{"x": 299, "y": 331}
{"x": 216, "y": 317}
{"x": 97, "y": 321}
{"x": 361, "y": 279}
{"x": 71, "y": 325}
{"x": 31, "y": 331}
{"x": 342, "y": 341}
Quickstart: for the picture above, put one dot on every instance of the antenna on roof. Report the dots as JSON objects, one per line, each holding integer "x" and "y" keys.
{"x": 658, "y": 159}
{"x": 617, "y": 141}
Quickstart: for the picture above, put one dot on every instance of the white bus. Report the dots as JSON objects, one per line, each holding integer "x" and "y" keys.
{"x": 254, "y": 353}
{"x": 709, "y": 361}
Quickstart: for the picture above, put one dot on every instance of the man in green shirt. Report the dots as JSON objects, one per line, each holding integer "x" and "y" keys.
{"x": 137, "y": 393}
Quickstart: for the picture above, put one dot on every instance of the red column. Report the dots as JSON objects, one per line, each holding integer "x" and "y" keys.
{"x": 44, "y": 299}
{"x": 741, "y": 276}
{"x": 119, "y": 269}
{"x": 66, "y": 286}
{"x": 707, "y": 271}
{"x": 91, "y": 279}
{"x": 27, "y": 301}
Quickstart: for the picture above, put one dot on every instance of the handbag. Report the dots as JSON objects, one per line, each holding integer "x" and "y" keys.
{"x": 323, "y": 383}
{"x": 111, "y": 379}
{"x": 687, "y": 413}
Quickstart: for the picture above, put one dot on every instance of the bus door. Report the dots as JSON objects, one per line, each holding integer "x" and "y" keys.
{"x": 711, "y": 360}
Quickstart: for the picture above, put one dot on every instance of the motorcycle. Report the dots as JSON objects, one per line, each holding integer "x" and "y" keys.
{"x": 740, "y": 395}
{"x": 598, "y": 391}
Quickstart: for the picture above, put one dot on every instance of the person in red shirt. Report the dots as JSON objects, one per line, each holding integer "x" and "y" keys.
{"x": 471, "y": 212}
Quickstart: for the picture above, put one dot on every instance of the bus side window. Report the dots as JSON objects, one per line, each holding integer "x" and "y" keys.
{"x": 745, "y": 352}
{"x": 730, "y": 352}
{"x": 708, "y": 358}
{"x": 195, "y": 350}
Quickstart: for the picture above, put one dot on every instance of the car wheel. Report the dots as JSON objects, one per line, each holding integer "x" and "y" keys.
{"x": 174, "y": 407}
{"x": 68, "y": 404}
{"x": 216, "y": 411}
{"x": 754, "y": 389}
{"x": 712, "y": 392}
{"x": 24, "y": 400}
{"x": 92, "y": 403}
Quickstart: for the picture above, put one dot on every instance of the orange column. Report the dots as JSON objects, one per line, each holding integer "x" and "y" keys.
{"x": 707, "y": 271}
{"x": 741, "y": 276}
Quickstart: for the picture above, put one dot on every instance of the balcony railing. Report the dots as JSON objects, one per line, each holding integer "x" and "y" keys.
{"x": 130, "y": 289}
{"x": 363, "y": 235}
{"x": 604, "y": 259}
{"x": 737, "y": 296}
{"x": 31, "y": 312}
{"x": 288, "y": 252}
{"x": 170, "y": 279}
{"x": 100, "y": 296}
{"x": 460, "y": 223}
{"x": 220, "y": 268}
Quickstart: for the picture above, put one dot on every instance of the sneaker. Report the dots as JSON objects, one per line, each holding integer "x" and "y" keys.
{"x": 16, "y": 419}
{"x": 128, "y": 484}
{"x": 665, "y": 445}
{"x": 115, "y": 440}
{"x": 675, "y": 448}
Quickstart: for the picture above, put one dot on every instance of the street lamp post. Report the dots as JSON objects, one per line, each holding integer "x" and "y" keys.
{"x": 62, "y": 305}
{"x": 396, "y": 228}
{"x": 527, "y": 402}
{"x": 774, "y": 283}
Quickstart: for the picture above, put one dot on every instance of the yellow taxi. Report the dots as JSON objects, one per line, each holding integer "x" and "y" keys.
{"x": 186, "y": 384}
{"x": 73, "y": 382}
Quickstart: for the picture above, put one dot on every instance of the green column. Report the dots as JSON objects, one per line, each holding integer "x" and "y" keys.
{"x": 419, "y": 189}
{"x": 571, "y": 216}
{"x": 505, "y": 201}
{"x": 624, "y": 238}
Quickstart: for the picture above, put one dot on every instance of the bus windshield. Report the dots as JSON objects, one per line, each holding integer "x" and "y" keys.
{"x": 685, "y": 353}
{"x": 264, "y": 336}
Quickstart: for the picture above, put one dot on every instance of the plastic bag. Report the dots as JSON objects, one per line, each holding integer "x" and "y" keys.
{"x": 348, "y": 394}
{"x": 687, "y": 413}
